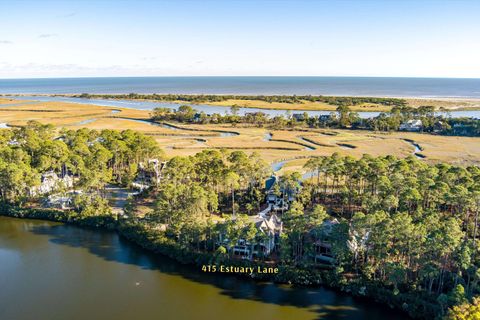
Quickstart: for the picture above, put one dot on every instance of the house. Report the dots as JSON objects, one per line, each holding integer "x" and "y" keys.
{"x": 324, "y": 117}
{"x": 58, "y": 202}
{"x": 440, "y": 126}
{"x": 50, "y": 182}
{"x": 411, "y": 125}
{"x": 279, "y": 203}
{"x": 13, "y": 142}
{"x": 299, "y": 117}
{"x": 269, "y": 231}
{"x": 97, "y": 140}
{"x": 287, "y": 196}
{"x": 322, "y": 237}
{"x": 323, "y": 245}
{"x": 149, "y": 174}
{"x": 269, "y": 183}
{"x": 464, "y": 127}
{"x": 271, "y": 198}
{"x": 198, "y": 117}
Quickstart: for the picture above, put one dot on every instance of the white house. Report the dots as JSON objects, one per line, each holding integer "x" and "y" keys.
{"x": 411, "y": 125}
{"x": 13, "y": 142}
{"x": 58, "y": 201}
{"x": 270, "y": 227}
{"x": 63, "y": 200}
{"x": 51, "y": 182}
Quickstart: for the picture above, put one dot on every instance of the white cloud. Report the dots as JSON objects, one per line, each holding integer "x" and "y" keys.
{"x": 47, "y": 35}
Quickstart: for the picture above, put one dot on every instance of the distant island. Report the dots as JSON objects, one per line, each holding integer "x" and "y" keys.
{"x": 299, "y": 102}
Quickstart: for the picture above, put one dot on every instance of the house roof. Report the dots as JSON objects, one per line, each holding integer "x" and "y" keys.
{"x": 268, "y": 224}
{"x": 270, "y": 182}
{"x": 414, "y": 122}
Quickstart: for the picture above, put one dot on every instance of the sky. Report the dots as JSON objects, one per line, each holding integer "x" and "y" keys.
{"x": 418, "y": 38}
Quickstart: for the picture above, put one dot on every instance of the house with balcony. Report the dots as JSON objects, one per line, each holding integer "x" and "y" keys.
{"x": 149, "y": 174}
{"x": 269, "y": 230}
{"x": 323, "y": 242}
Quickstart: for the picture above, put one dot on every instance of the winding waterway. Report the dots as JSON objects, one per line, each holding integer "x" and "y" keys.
{"x": 51, "y": 271}
{"x": 208, "y": 109}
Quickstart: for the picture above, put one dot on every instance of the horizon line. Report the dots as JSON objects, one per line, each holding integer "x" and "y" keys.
{"x": 241, "y": 76}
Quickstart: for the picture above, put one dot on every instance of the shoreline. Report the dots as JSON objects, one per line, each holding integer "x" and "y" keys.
{"x": 292, "y": 275}
{"x": 162, "y": 265}
{"x": 449, "y": 103}
{"x": 69, "y": 94}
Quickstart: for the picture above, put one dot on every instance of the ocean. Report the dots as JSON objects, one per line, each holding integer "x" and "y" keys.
{"x": 338, "y": 86}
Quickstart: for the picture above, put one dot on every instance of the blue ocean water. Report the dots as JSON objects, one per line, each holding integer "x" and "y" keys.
{"x": 341, "y": 86}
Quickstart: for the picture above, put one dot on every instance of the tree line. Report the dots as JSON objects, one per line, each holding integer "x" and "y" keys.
{"x": 290, "y": 99}
{"x": 198, "y": 189}
{"x": 93, "y": 158}
{"x": 343, "y": 118}
{"x": 401, "y": 224}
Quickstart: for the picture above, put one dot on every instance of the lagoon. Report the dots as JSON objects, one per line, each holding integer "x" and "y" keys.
{"x": 54, "y": 271}
{"x": 208, "y": 109}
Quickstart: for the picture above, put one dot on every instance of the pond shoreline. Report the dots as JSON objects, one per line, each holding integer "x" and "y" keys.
{"x": 303, "y": 277}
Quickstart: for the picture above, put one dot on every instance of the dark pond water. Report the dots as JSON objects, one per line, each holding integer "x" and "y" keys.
{"x": 53, "y": 271}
